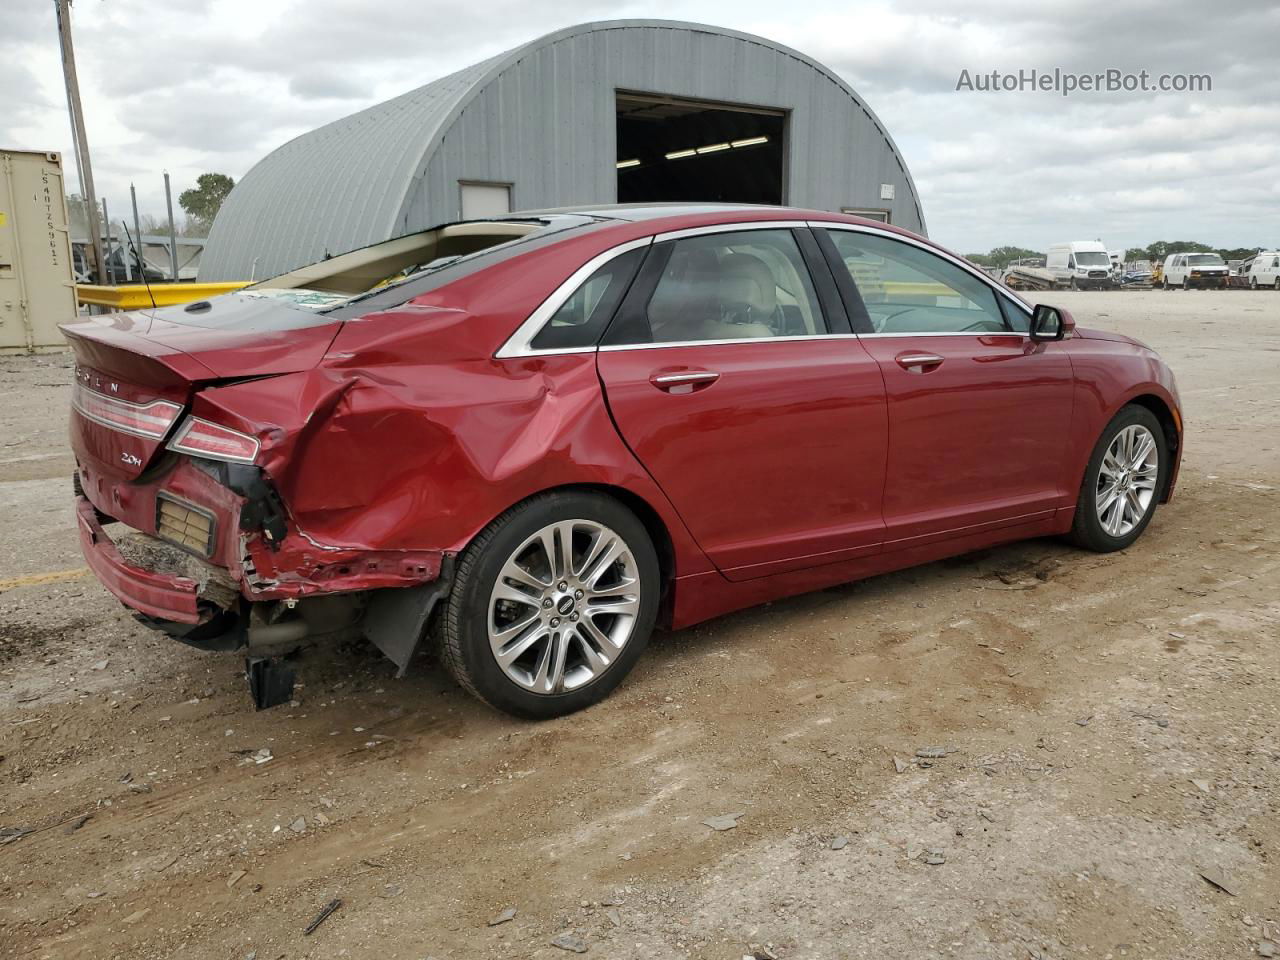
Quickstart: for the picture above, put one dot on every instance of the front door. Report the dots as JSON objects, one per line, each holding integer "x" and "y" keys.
{"x": 766, "y": 431}
{"x": 978, "y": 412}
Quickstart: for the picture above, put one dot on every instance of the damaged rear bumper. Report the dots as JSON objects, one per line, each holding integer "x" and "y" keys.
{"x": 158, "y": 595}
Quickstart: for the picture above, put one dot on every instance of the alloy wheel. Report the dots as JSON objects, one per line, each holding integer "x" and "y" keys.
{"x": 1127, "y": 479}
{"x": 564, "y": 605}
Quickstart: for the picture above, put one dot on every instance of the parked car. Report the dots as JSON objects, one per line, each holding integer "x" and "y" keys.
{"x": 1188, "y": 270}
{"x": 1136, "y": 273}
{"x": 562, "y": 429}
{"x": 1265, "y": 270}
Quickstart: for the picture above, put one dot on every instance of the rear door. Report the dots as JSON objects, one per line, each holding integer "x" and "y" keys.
{"x": 763, "y": 424}
{"x": 977, "y": 410}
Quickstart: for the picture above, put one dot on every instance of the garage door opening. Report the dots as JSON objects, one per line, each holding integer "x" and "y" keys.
{"x": 672, "y": 149}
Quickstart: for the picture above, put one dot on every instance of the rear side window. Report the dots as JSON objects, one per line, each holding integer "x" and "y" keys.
{"x": 735, "y": 285}
{"x": 582, "y": 318}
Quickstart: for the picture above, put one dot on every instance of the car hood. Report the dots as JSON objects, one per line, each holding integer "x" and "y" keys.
{"x": 1090, "y": 333}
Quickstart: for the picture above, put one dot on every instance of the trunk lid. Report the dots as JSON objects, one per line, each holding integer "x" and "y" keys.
{"x": 136, "y": 372}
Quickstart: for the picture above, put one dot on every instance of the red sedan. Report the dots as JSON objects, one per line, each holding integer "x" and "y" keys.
{"x": 535, "y": 438}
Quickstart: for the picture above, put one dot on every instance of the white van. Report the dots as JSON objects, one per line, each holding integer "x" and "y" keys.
{"x": 1187, "y": 270}
{"x": 1265, "y": 270}
{"x": 1080, "y": 264}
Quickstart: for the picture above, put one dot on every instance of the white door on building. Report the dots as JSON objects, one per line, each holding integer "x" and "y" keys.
{"x": 481, "y": 200}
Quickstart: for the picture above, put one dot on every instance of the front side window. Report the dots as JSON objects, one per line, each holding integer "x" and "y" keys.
{"x": 739, "y": 285}
{"x": 909, "y": 290}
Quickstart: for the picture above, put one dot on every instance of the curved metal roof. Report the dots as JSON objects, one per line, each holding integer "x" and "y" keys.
{"x": 348, "y": 184}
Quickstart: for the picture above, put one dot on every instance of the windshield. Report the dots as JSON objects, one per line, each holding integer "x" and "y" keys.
{"x": 1092, "y": 260}
{"x": 1205, "y": 260}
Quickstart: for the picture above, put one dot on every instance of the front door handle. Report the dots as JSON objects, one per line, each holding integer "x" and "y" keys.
{"x": 684, "y": 381}
{"x": 925, "y": 361}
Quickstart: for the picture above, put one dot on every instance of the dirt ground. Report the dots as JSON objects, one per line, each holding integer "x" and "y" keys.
{"x": 1110, "y": 724}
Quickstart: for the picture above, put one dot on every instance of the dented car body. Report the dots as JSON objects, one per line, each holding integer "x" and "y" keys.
{"x": 330, "y": 450}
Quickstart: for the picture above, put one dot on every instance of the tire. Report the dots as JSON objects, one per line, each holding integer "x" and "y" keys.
{"x": 1095, "y": 527}
{"x": 1074, "y": 284}
{"x": 1164, "y": 282}
{"x": 1253, "y": 283}
{"x": 1277, "y": 284}
{"x": 553, "y": 673}
{"x": 1186, "y": 283}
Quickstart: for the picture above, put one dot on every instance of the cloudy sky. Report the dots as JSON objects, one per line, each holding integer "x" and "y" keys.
{"x": 198, "y": 85}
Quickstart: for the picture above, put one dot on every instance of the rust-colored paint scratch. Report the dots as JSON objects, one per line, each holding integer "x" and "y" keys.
{"x": 55, "y": 576}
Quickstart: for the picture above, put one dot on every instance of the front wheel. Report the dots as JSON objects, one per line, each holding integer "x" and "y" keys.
{"x": 1122, "y": 483}
{"x": 552, "y": 604}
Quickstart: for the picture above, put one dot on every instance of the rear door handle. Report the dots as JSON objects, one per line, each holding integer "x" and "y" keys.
{"x": 684, "y": 381}
{"x": 915, "y": 359}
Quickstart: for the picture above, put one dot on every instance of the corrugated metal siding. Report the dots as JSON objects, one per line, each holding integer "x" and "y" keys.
{"x": 334, "y": 189}
{"x": 542, "y": 119}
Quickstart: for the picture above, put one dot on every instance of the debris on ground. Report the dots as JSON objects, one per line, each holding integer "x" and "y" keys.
{"x": 567, "y": 941}
{"x": 726, "y": 821}
{"x": 322, "y": 916}
{"x": 77, "y": 822}
{"x": 235, "y": 878}
{"x": 299, "y": 825}
{"x": 935, "y": 857}
{"x": 934, "y": 753}
{"x": 505, "y": 916}
{"x": 1266, "y": 948}
{"x": 839, "y": 843}
{"x": 1219, "y": 879}
{"x": 901, "y": 766}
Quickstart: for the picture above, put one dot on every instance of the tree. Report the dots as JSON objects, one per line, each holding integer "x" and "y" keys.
{"x": 203, "y": 201}
{"x": 1001, "y": 257}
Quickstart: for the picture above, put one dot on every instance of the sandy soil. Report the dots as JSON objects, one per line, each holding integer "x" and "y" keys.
{"x": 1110, "y": 725}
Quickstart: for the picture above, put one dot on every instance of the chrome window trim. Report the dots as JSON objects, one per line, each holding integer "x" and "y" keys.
{"x": 729, "y": 228}
{"x": 948, "y": 333}
{"x": 999, "y": 288}
{"x": 615, "y": 347}
{"x": 519, "y": 343}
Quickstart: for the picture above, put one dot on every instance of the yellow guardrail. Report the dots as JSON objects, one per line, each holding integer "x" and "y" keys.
{"x": 135, "y": 296}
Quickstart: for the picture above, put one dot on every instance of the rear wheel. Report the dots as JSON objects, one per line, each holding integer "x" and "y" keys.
{"x": 1122, "y": 483}
{"x": 552, "y": 604}
{"x": 1253, "y": 283}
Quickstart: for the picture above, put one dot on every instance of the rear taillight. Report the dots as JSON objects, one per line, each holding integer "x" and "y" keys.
{"x": 200, "y": 438}
{"x": 151, "y": 420}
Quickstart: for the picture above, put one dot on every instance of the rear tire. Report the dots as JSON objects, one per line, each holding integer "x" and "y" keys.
{"x": 521, "y": 594}
{"x": 1123, "y": 482}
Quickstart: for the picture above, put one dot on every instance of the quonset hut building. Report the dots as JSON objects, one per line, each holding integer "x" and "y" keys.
{"x": 612, "y": 112}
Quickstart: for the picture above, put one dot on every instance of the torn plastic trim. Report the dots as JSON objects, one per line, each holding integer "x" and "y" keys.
{"x": 263, "y": 510}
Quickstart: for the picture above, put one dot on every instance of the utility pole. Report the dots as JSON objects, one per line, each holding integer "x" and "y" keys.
{"x": 173, "y": 231}
{"x": 79, "y": 138}
{"x": 137, "y": 236}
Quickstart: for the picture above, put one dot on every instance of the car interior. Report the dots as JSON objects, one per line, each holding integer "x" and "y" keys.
{"x": 907, "y": 290}
{"x": 734, "y": 286}
{"x": 348, "y": 275}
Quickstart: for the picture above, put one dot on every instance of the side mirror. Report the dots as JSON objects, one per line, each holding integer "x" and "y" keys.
{"x": 1050, "y": 323}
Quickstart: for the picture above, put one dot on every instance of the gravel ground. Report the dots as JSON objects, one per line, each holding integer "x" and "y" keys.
{"x": 1108, "y": 731}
